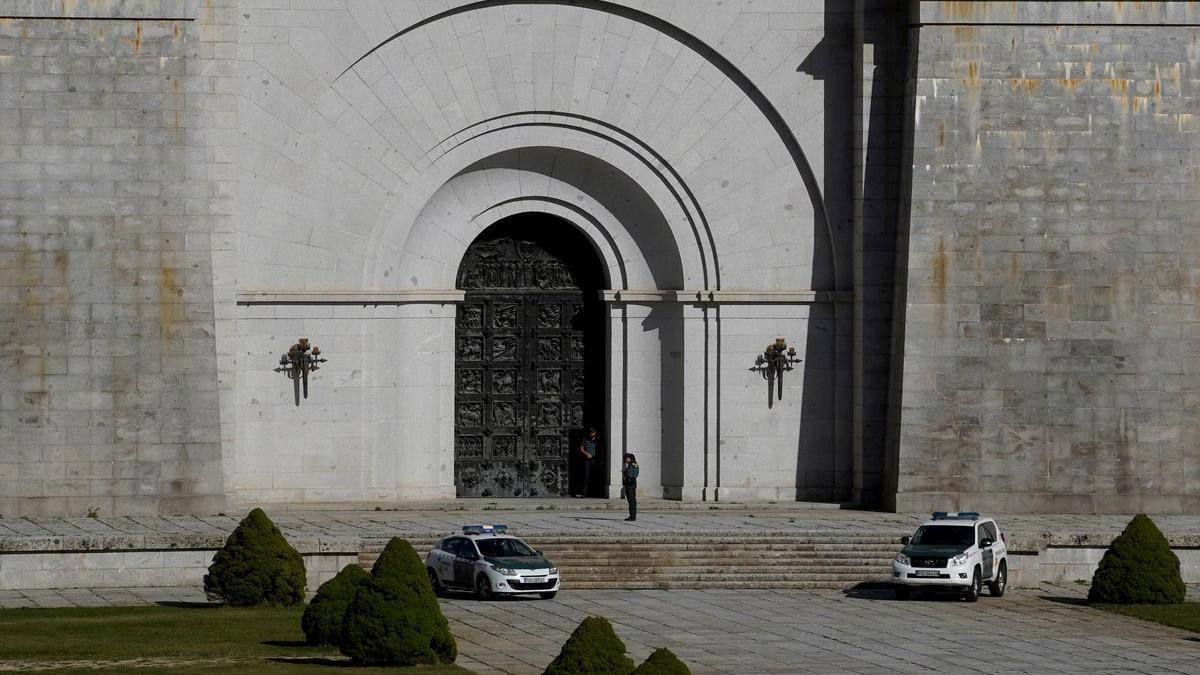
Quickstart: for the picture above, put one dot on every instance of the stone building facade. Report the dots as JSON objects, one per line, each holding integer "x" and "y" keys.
{"x": 503, "y": 222}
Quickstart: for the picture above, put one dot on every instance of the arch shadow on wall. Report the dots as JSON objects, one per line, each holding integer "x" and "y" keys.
{"x": 610, "y": 186}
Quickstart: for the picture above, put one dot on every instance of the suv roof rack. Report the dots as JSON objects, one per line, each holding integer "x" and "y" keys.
{"x": 956, "y": 515}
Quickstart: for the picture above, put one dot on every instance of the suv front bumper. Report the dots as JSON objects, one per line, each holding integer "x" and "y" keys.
{"x": 946, "y": 577}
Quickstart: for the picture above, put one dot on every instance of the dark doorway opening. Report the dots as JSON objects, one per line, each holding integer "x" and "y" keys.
{"x": 529, "y": 366}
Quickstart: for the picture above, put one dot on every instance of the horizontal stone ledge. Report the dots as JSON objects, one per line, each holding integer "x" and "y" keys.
{"x": 349, "y": 296}
{"x": 454, "y": 295}
{"x": 729, "y": 297}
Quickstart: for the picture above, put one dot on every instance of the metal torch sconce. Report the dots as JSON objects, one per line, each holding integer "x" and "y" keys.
{"x": 772, "y": 363}
{"x": 298, "y": 362}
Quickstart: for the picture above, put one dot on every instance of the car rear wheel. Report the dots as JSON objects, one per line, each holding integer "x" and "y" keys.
{"x": 483, "y": 588}
{"x": 997, "y": 585}
{"x": 976, "y": 586}
{"x": 903, "y": 592}
{"x": 438, "y": 589}
{"x": 549, "y": 595}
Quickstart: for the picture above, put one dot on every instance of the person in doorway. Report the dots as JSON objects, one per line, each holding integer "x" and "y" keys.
{"x": 629, "y": 475}
{"x": 589, "y": 452}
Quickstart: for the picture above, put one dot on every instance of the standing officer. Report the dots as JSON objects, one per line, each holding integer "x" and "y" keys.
{"x": 629, "y": 474}
{"x": 588, "y": 452}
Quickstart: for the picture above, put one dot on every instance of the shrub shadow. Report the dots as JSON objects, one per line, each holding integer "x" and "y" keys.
{"x": 326, "y": 661}
{"x": 286, "y": 643}
{"x": 181, "y": 604}
{"x": 1065, "y": 600}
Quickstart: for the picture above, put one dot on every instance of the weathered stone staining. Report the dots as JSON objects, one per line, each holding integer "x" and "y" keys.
{"x": 1051, "y": 295}
{"x": 974, "y": 220}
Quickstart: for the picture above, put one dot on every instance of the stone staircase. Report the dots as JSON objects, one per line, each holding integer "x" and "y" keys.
{"x": 689, "y": 560}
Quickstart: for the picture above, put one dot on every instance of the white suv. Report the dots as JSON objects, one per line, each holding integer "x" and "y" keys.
{"x": 486, "y": 561}
{"x": 953, "y": 551}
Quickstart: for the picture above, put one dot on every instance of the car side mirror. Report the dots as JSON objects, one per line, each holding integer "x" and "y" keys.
{"x": 904, "y": 540}
{"x": 985, "y": 542}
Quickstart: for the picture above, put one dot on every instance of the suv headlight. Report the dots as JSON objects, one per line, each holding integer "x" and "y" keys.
{"x": 902, "y": 559}
{"x": 960, "y": 559}
{"x": 505, "y": 571}
{"x": 553, "y": 570}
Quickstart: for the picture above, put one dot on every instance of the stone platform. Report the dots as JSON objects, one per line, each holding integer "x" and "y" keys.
{"x": 62, "y": 553}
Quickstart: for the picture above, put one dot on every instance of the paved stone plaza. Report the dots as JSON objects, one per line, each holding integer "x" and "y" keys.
{"x": 1043, "y": 630}
{"x": 754, "y": 631}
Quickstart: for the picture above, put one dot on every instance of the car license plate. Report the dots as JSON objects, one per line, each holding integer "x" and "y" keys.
{"x": 534, "y": 580}
{"x": 926, "y": 573}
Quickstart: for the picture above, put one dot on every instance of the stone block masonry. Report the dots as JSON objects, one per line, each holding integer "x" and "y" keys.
{"x": 109, "y": 397}
{"x": 1052, "y": 298}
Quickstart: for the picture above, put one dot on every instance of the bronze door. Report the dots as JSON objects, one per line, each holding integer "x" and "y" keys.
{"x": 520, "y": 382}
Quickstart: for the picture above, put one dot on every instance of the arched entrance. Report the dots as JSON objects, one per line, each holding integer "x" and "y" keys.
{"x": 529, "y": 371}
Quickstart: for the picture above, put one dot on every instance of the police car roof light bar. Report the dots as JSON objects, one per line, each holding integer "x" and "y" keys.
{"x": 484, "y": 529}
{"x": 956, "y": 515}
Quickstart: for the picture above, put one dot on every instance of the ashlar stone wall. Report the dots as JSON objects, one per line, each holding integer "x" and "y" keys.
{"x": 1052, "y": 297}
{"x": 108, "y": 370}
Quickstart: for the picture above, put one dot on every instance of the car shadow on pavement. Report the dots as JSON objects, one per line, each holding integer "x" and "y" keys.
{"x": 874, "y": 590}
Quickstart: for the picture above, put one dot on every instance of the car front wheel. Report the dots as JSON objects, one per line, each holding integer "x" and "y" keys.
{"x": 438, "y": 589}
{"x": 975, "y": 587}
{"x": 996, "y": 586}
{"x": 549, "y": 595}
{"x": 483, "y": 588}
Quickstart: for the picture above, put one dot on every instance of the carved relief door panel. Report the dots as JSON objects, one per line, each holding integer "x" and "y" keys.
{"x": 520, "y": 372}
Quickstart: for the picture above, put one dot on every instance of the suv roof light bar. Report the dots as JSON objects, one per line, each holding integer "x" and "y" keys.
{"x": 484, "y": 529}
{"x": 956, "y": 515}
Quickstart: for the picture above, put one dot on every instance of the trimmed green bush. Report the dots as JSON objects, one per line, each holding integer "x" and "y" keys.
{"x": 394, "y": 619}
{"x": 662, "y": 662}
{"x": 256, "y": 566}
{"x": 1138, "y": 568}
{"x": 593, "y": 649}
{"x": 322, "y": 620}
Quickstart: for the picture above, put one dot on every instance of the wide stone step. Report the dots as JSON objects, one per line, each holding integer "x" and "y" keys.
{"x": 707, "y": 560}
{"x": 727, "y": 569}
{"x": 637, "y": 584}
{"x": 678, "y": 540}
{"x": 804, "y": 564}
{"x": 665, "y": 549}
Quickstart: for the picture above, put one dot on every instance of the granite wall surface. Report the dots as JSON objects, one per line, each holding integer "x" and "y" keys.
{"x": 108, "y": 209}
{"x": 1051, "y": 301}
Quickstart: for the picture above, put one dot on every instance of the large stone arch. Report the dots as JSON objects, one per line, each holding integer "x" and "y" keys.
{"x": 350, "y": 157}
{"x": 628, "y": 226}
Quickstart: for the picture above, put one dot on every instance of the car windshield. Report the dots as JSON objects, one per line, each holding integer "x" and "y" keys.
{"x": 501, "y": 548}
{"x": 945, "y": 535}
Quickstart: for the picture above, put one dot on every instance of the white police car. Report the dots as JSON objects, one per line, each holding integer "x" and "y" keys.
{"x": 483, "y": 559}
{"x": 953, "y": 551}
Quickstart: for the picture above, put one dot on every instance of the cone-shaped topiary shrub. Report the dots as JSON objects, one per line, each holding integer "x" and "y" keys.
{"x": 322, "y": 620}
{"x": 593, "y": 649}
{"x": 394, "y": 618}
{"x": 256, "y": 566}
{"x": 662, "y": 662}
{"x": 1138, "y": 568}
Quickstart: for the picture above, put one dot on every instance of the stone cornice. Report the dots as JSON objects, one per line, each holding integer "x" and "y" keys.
{"x": 348, "y": 296}
{"x": 729, "y": 297}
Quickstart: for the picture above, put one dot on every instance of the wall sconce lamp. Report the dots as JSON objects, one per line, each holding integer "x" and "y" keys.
{"x": 298, "y": 362}
{"x": 772, "y": 363}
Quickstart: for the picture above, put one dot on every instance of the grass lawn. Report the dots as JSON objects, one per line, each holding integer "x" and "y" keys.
{"x": 1184, "y": 615}
{"x": 154, "y": 639}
